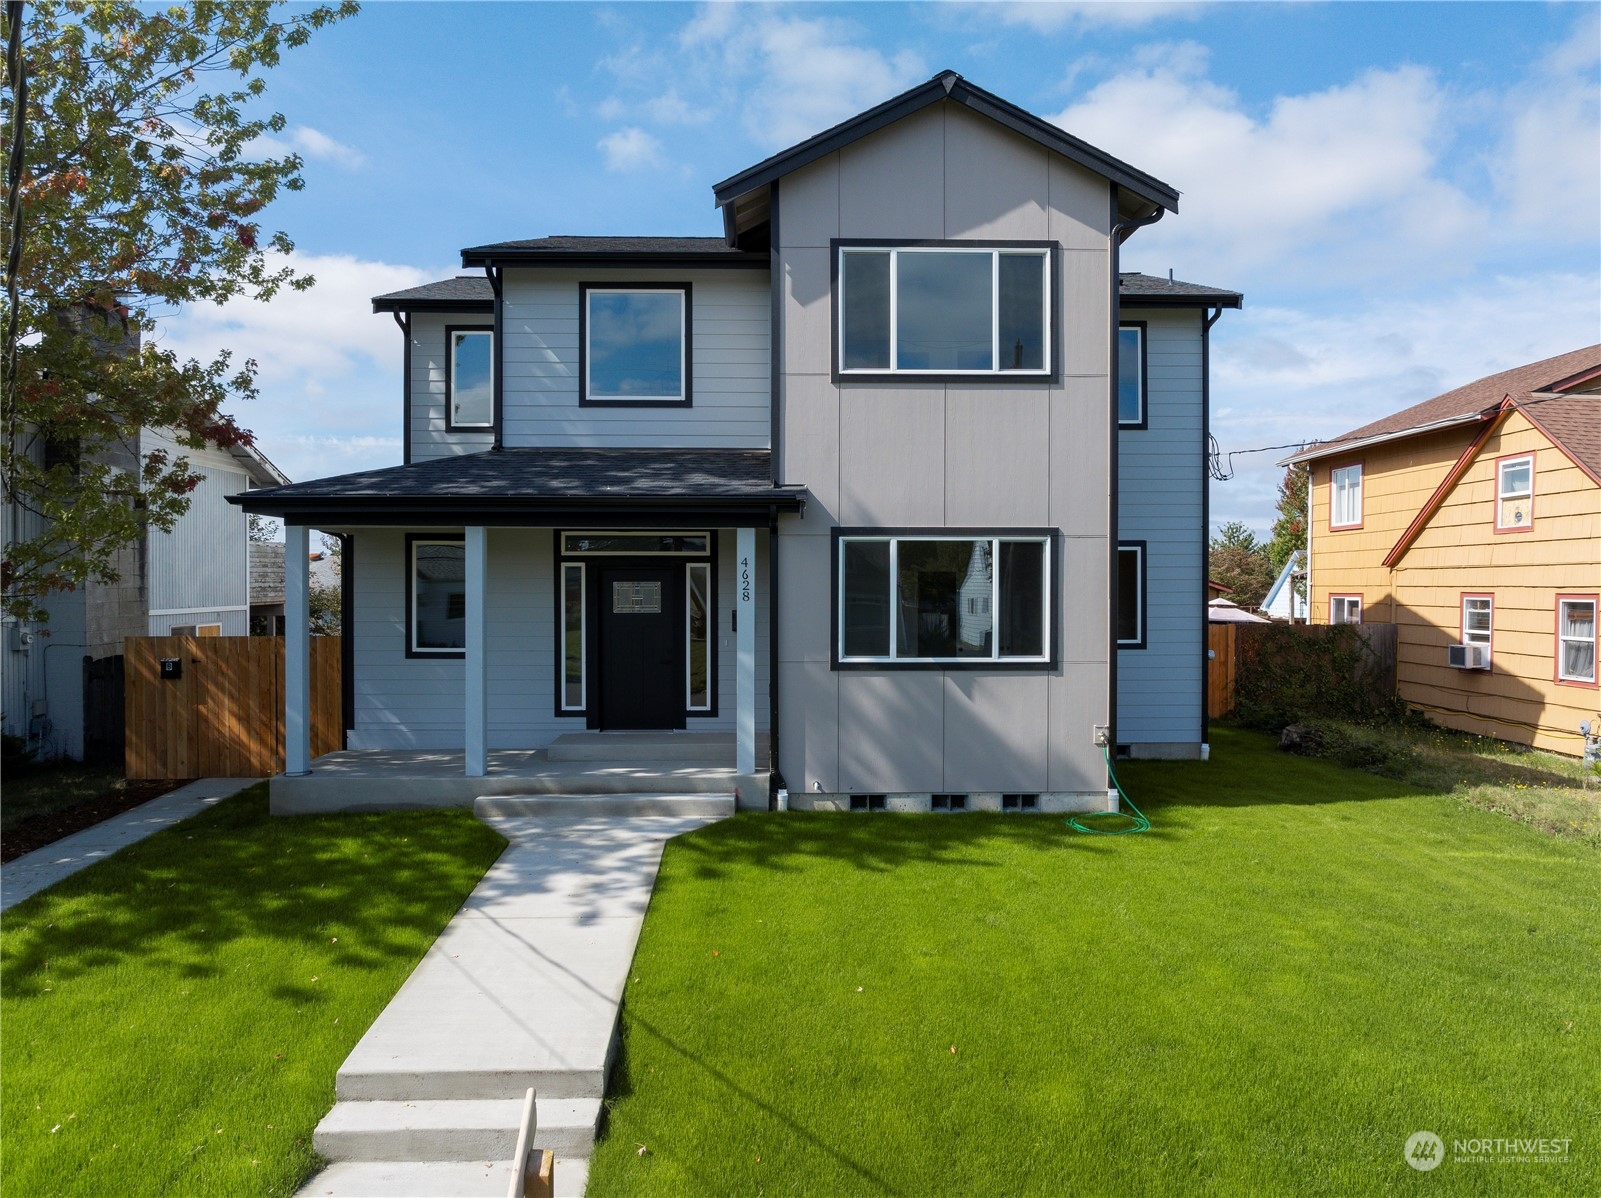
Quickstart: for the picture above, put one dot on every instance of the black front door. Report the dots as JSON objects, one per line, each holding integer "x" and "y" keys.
{"x": 641, "y": 629}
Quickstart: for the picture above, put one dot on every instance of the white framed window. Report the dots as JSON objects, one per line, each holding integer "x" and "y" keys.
{"x": 470, "y": 377}
{"x": 1345, "y": 609}
{"x": 634, "y": 344}
{"x": 949, "y": 309}
{"x": 697, "y": 636}
{"x": 436, "y": 597}
{"x": 1345, "y": 497}
{"x": 574, "y": 652}
{"x": 1578, "y": 639}
{"x": 951, "y": 596}
{"x": 1131, "y": 595}
{"x": 1478, "y": 621}
{"x": 1514, "y": 493}
{"x": 196, "y": 630}
{"x": 1131, "y": 374}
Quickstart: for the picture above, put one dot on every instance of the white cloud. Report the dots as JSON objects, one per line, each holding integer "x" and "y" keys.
{"x": 329, "y": 369}
{"x": 631, "y": 149}
{"x": 1288, "y": 374}
{"x": 1048, "y": 16}
{"x": 310, "y": 143}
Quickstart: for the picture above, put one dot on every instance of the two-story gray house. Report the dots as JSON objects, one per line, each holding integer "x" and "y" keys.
{"x": 899, "y": 484}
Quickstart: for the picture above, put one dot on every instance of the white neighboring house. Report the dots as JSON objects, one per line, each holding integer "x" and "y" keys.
{"x": 1226, "y": 611}
{"x": 1282, "y": 602}
{"x": 194, "y": 579}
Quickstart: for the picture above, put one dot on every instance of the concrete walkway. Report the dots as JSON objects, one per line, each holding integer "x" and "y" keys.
{"x": 32, "y": 872}
{"x": 523, "y": 988}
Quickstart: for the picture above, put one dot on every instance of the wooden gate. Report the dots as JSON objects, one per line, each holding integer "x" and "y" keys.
{"x": 222, "y": 716}
{"x": 105, "y": 702}
{"x": 1220, "y": 671}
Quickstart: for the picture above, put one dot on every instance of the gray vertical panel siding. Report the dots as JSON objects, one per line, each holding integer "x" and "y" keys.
{"x": 730, "y": 371}
{"x": 932, "y": 455}
{"x": 203, "y": 562}
{"x": 1161, "y": 476}
{"x": 429, "y": 436}
{"x": 406, "y": 702}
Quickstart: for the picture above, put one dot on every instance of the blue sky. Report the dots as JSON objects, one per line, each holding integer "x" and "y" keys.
{"x": 1409, "y": 195}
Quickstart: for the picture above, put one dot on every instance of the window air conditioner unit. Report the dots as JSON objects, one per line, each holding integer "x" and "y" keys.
{"x": 1468, "y": 657}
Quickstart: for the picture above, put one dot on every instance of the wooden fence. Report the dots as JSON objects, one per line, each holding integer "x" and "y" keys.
{"x": 1231, "y": 646}
{"x": 223, "y": 715}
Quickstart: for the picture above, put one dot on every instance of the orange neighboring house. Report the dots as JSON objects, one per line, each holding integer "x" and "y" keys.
{"x": 1472, "y": 521}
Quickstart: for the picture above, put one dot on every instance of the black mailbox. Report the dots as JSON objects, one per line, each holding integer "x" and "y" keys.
{"x": 172, "y": 667}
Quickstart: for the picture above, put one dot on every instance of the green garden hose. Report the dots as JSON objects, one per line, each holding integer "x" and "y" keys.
{"x": 1140, "y": 824}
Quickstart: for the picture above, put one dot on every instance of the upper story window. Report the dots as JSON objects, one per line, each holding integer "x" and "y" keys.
{"x": 1131, "y": 374}
{"x": 943, "y": 597}
{"x": 470, "y": 379}
{"x": 952, "y": 309}
{"x": 1514, "y": 494}
{"x": 1345, "y": 497}
{"x": 634, "y": 343}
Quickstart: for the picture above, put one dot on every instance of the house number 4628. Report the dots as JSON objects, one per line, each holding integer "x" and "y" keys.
{"x": 744, "y": 580}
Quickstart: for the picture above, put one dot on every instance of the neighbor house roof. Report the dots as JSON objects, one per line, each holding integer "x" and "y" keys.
{"x": 473, "y": 293}
{"x": 947, "y": 85}
{"x": 1476, "y": 401}
{"x": 518, "y": 485}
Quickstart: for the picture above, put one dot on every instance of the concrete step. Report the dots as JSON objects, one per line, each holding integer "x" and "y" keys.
{"x": 706, "y": 748}
{"x": 435, "y": 1179}
{"x": 453, "y": 1130}
{"x": 600, "y": 805}
{"x": 437, "y": 1084}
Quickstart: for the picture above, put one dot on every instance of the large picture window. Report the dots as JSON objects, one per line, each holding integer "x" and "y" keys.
{"x": 634, "y": 344}
{"x": 1131, "y": 375}
{"x": 470, "y": 380}
{"x": 952, "y": 597}
{"x": 942, "y": 310}
{"x": 437, "y": 598}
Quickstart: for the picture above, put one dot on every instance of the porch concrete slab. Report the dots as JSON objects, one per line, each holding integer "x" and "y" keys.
{"x": 523, "y": 987}
{"x": 607, "y": 805}
{"x": 394, "y": 780}
{"x": 705, "y": 748}
{"x": 33, "y": 872}
{"x": 434, "y": 1179}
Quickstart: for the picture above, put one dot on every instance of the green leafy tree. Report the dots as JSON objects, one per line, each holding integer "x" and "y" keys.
{"x": 1240, "y": 562}
{"x": 1289, "y": 530}
{"x": 132, "y": 189}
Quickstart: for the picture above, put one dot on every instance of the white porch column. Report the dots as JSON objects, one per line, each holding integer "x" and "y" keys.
{"x": 477, "y": 709}
{"x": 745, "y": 647}
{"x": 297, "y": 649}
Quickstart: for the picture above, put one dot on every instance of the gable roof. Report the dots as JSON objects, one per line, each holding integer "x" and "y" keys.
{"x": 1476, "y": 401}
{"x": 947, "y": 85}
{"x": 1572, "y": 423}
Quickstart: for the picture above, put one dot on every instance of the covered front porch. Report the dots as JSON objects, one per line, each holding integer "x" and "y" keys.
{"x": 593, "y": 764}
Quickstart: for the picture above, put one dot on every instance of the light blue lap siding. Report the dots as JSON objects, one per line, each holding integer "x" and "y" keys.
{"x": 1161, "y": 481}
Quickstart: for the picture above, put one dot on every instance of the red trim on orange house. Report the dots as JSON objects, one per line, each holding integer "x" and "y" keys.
{"x": 1453, "y": 476}
{"x": 1361, "y": 494}
{"x": 1534, "y": 463}
{"x": 1462, "y": 626}
{"x": 1556, "y": 662}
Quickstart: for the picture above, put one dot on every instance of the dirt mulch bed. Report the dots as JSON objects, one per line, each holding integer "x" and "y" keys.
{"x": 41, "y": 830}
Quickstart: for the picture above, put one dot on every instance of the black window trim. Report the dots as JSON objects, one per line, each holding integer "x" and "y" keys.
{"x": 584, "y": 288}
{"x": 450, "y": 378}
{"x": 1141, "y": 604}
{"x": 1145, "y": 375}
{"x": 1053, "y": 614}
{"x": 1051, "y": 375}
{"x": 410, "y": 567}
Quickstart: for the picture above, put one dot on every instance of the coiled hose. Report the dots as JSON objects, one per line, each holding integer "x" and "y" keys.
{"x": 1140, "y": 824}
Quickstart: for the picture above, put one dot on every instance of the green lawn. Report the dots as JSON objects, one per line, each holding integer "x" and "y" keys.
{"x": 42, "y": 789}
{"x": 173, "y": 1017}
{"x": 1296, "y": 969}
